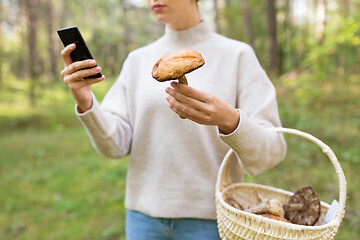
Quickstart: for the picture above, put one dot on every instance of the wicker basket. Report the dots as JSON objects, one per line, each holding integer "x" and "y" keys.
{"x": 236, "y": 224}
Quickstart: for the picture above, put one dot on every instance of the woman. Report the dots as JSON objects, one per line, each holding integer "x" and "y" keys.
{"x": 174, "y": 162}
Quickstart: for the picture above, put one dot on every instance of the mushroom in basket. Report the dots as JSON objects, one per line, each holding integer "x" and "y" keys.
{"x": 270, "y": 208}
{"x": 232, "y": 202}
{"x": 303, "y": 207}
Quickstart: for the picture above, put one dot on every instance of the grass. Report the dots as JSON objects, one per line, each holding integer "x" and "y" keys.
{"x": 53, "y": 185}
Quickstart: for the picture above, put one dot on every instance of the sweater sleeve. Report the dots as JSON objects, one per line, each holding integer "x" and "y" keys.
{"x": 108, "y": 124}
{"x": 257, "y": 147}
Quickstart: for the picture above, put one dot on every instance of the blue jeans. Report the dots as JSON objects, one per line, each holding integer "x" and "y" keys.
{"x": 139, "y": 226}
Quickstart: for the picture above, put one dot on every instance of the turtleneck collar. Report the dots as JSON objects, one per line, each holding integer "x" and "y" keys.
{"x": 191, "y": 35}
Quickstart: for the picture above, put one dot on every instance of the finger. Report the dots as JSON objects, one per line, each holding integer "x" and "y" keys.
{"x": 190, "y": 92}
{"x": 186, "y": 111}
{"x": 65, "y": 53}
{"x": 85, "y": 82}
{"x": 79, "y": 65}
{"x": 84, "y": 73}
{"x": 80, "y": 75}
{"x": 194, "y": 103}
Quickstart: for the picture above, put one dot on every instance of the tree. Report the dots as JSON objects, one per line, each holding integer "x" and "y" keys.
{"x": 51, "y": 39}
{"x": 272, "y": 37}
{"x": 248, "y": 22}
{"x": 63, "y": 13}
{"x": 33, "y": 58}
{"x": 1, "y": 43}
{"x": 344, "y": 7}
{"x": 217, "y": 18}
{"x": 320, "y": 20}
{"x": 21, "y": 22}
{"x": 125, "y": 7}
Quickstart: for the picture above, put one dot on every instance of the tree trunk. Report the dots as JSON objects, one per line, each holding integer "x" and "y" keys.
{"x": 344, "y": 7}
{"x": 125, "y": 7}
{"x": 287, "y": 51}
{"x": 247, "y": 22}
{"x": 51, "y": 39}
{"x": 1, "y": 44}
{"x": 286, "y": 45}
{"x": 22, "y": 22}
{"x": 33, "y": 60}
{"x": 216, "y": 16}
{"x": 272, "y": 37}
{"x": 63, "y": 14}
{"x": 320, "y": 21}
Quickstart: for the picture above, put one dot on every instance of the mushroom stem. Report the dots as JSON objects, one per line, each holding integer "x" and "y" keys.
{"x": 272, "y": 206}
{"x": 182, "y": 79}
{"x": 291, "y": 207}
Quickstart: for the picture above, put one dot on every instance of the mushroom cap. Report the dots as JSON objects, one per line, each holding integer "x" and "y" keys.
{"x": 175, "y": 64}
{"x": 303, "y": 207}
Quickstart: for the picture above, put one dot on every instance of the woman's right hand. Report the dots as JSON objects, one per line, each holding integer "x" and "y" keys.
{"x": 74, "y": 75}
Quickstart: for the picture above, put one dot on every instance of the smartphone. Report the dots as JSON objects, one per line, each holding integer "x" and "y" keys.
{"x": 72, "y": 35}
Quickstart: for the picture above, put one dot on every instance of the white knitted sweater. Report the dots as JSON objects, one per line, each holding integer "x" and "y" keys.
{"x": 174, "y": 162}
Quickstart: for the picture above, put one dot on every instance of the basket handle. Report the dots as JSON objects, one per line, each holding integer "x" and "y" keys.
{"x": 224, "y": 180}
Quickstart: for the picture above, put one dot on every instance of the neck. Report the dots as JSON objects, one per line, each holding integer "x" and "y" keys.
{"x": 187, "y": 19}
{"x": 189, "y": 36}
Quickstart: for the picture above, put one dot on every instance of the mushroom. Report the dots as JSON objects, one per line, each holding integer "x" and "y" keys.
{"x": 272, "y": 206}
{"x": 175, "y": 65}
{"x": 232, "y": 202}
{"x": 303, "y": 207}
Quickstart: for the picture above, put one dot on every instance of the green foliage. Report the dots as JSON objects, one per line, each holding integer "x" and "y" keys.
{"x": 233, "y": 26}
{"x": 50, "y": 112}
{"x": 337, "y": 52}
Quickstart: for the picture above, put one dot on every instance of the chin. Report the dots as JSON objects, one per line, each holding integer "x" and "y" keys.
{"x": 161, "y": 18}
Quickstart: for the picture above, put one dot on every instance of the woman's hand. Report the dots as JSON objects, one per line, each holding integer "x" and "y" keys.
{"x": 202, "y": 107}
{"x": 74, "y": 75}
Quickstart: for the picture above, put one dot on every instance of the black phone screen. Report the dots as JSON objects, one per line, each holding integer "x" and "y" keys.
{"x": 71, "y": 35}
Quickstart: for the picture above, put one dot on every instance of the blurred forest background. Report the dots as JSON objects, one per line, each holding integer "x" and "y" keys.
{"x": 53, "y": 185}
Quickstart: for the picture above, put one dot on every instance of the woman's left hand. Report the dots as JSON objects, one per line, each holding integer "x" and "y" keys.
{"x": 202, "y": 107}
